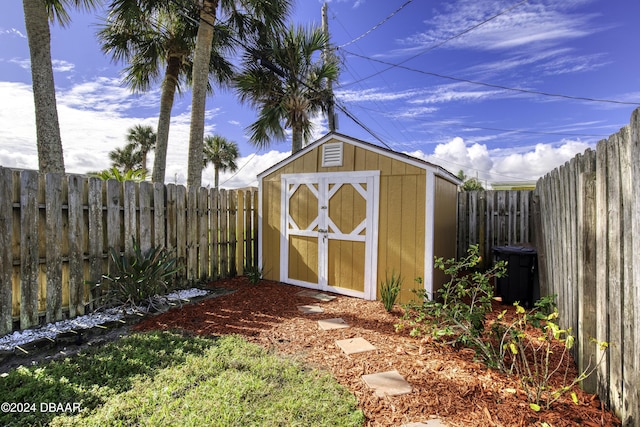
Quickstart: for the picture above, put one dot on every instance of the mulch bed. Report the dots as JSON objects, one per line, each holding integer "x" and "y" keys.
{"x": 446, "y": 382}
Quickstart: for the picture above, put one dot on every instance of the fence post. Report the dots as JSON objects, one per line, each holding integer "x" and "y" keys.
{"x": 587, "y": 354}
{"x": 6, "y": 255}
{"x": 29, "y": 248}
{"x": 53, "y": 211}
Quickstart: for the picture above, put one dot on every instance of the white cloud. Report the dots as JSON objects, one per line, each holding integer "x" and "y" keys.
{"x": 534, "y": 164}
{"x": 62, "y": 66}
{"x": 542, "y": 23}
{"x": 12, "y": 32}
{"x": 501, "y": 165}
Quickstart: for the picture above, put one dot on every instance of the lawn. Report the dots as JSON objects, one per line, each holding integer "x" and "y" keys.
{"x": 167, "y": 379}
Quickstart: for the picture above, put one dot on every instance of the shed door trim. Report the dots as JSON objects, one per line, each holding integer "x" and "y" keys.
{"x": 324, "y": 186}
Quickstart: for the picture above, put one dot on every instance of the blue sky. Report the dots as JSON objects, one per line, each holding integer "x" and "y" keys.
{"x": 431, "y": 78}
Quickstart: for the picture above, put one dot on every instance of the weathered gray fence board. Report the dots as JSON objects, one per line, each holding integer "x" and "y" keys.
{"x": 634, "y": 227}
{"x": 614, "y": 236}
{"x": 6, "y": 255}
{"x": 130, "y": 200}
{"x": 29, "y": 249}
{"x": 602, "y": 273}
{"x": 629, "y": 387}
{"x": 53, "y": 210}
{"x": 159, "y": 228}
{"x": 96, "y": 242}
{"x": 181, "y": 236}
{"x": 214, "y": 229}
{"x": 145, "y": 197}
{"x": 114, "y": 201}
{"x": 76, "y": 245}
{"x": 192, "y": 234}
{"x": 224, "y": 233}
{"x": 203, "y": 234}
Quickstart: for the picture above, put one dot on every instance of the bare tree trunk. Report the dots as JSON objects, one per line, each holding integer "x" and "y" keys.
{"x": 200, "y": 78}
{"x": 164, "y": 119}
{"x": 49, "y": 143}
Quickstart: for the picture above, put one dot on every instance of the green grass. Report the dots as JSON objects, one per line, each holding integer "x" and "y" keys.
{"x": 164, "y": 379}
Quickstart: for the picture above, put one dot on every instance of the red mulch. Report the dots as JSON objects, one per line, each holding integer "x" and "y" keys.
{"x": 446, "y": 382}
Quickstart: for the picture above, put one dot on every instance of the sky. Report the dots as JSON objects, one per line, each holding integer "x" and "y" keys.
{"x": 505, "y": 90}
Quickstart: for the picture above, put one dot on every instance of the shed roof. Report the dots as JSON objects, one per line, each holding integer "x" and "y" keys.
{"x": 437, "y": 170}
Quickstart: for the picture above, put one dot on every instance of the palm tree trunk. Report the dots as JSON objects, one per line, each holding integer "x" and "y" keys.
{"x": 200, "y": 78}
{"x": 216, "y": 178}
{"x": 164, "y": 119}
{"x": 296, "y": 138}
{"x": 50, "y": 157}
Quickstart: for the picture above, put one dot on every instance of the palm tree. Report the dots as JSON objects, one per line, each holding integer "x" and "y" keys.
{"x": 37, "y": 14}
{"x": 143, "y": 140}
{"x": 149, "y": 35}
{"x": 137, "y": 175}
{"x": 222, "y": 153}
{"x": 288, "y": 85}
{"x": 126, "y": 159}
{"x": 246, "y": 18}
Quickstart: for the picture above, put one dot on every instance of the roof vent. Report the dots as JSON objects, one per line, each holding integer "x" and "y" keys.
{"x": 332, "y": 154}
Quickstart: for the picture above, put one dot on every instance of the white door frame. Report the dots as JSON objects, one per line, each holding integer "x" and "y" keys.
{"x": 324, "y": 229}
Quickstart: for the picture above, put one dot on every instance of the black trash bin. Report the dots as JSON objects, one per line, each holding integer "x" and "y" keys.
{"x": 520, "y": 284}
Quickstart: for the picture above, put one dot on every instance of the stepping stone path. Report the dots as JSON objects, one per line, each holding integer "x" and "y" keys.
{"x": 355, "y": 345}
{"x": 310, "y": 309}
{"x": 328, "y": 324}
{"x": 317, "y": 295}
{"x": 389, "y": 383}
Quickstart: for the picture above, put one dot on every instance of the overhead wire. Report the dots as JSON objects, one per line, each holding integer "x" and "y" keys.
{"x": 375, "y": 27}
{"x": 496, "y": 86}
{"x": 455, "y": 36}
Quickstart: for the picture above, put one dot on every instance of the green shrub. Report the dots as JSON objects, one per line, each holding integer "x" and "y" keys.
{"x": 254, "y": 274}
{"x": 139, "y": 278}
{"x": 458, "y": 313}
{"x": 389, "y": 290}
{"x": 529, "y": 357}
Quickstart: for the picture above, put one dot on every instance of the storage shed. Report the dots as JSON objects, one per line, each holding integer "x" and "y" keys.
{"x": 342, "y": 214}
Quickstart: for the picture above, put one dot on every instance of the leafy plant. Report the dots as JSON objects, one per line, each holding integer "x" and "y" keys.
{"x": 254, "y": 274}
{"x": 544, "y": 379}
{"x": 389, "y": 290}
{"x": 137, "y": 175}
{"x": 458, "y": 313}
{"x": 138, "y": 278}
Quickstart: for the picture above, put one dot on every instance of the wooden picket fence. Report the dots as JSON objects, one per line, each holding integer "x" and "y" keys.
{"x": 494, "y": 218}
{"x": 56, "y": 231}
{"x": 584, "y": 221}
{"x": 590, "y": 241}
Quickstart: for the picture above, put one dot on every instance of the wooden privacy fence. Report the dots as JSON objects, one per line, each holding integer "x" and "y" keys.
{"x": 56, "y": 231}
{"x": 493, "y": 218}
{"x": 590, "y": 236}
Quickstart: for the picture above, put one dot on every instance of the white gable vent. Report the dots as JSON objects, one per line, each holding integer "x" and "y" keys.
{"x": 332, "y": 154}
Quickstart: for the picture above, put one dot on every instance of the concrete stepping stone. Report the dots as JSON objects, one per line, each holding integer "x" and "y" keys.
{"x": 310, "y": 309}
{"x": 389, "y": 383}
{"x": 355, "y": 345}
{"x": 328, "y": 324}
{"x": 317, "y": 295}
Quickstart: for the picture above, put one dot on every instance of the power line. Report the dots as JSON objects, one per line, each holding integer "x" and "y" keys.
{"x": 375, "y": 27}
{"x": 500, "y": 129}
{"x": 534, "y": 92}
{"x": 422, "y": 52}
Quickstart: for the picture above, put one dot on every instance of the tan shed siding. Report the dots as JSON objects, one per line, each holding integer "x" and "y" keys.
{"x": 401, "y": 228}
{"x": 271, "y": 227}
{"x": 445, "y": 226}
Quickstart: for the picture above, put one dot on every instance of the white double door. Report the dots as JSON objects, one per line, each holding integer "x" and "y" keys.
{"x": 329, "y": 231}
